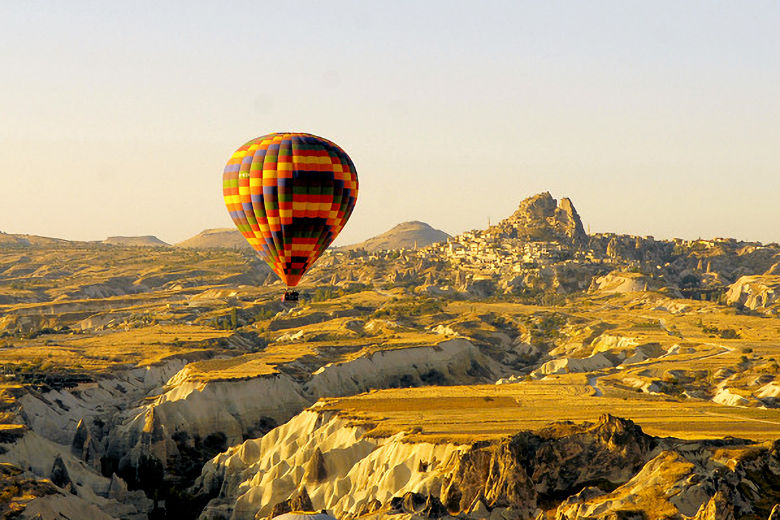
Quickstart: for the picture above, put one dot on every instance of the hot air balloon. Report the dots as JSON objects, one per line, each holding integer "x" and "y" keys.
{"x": 297, "y": 515}
{"x": 290, "y": 195}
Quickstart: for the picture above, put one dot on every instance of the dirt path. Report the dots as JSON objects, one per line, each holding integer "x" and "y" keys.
{"x": 593, "y": 382}
{"x": 741, "y": 418}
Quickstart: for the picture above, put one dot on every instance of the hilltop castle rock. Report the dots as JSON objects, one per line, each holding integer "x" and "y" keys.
{"x": 543, "y": 219}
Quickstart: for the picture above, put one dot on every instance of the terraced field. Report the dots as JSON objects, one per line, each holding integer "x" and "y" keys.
{"x": 477, "y": 413}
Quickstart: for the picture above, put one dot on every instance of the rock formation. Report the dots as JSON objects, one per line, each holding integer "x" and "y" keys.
{"x": 607, "y": 469}
{"x": 532, "y": 468}
{"x": 757, "y": 292}
{"x": 298, "y": 501}
{"x": 542, "y": 219}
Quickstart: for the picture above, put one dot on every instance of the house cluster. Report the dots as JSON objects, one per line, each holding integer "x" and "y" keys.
{"x": 728, "y": 243}
{"x": 480, "y": 250}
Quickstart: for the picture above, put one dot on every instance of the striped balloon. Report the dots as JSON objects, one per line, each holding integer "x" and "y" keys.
{"x": 297, "y": 515}
{"x": 290, "y": 195}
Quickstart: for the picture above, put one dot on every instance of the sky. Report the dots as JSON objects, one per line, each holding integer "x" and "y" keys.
{"x": 656, "y": 118}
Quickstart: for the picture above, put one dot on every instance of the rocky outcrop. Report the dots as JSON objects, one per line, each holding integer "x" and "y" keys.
{"x": 618, "y": 282}
{"x": 65, "y": 416}
{"x": 542, "y": 219}
{"x": 357, "y": 473}
{"x": 719, "y": 507}
{"x": 418, "y": 504}
{"x": 639, "y": 495}
{"x": 315, "y": 471}
{"x": 455, "y": 360}
{"x": 299, "y": 501}
{"x": 759, "y": 292}
{"x": 84, "y": 446}
{"x": 363, "y": 474}
{"x": 64, "y": 505}
{"x": 729, "y": 398}
{"x": 148, "y": 420}
{"x": 702, "y": 481}
{"x": 570, "y": 365}
{"x": 59, "y": 475}
{"x": 604, "y": 470}
{"x": 531, "y": 469}
{"x": 68, "y": 434}
{"x": 188, "y": 409}
{"x": 72, "y": 477}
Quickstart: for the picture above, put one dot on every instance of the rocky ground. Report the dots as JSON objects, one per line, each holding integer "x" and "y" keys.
{"x": 160, "y": 382}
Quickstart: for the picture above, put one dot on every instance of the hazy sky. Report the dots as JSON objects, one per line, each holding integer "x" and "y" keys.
{"x": 662, "y": 118}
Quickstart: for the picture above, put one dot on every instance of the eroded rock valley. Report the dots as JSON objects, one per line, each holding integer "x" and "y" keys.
{"x": 525, "y": 371}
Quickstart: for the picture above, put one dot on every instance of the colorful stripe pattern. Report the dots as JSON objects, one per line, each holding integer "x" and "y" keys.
{"x": 290, "y": 195}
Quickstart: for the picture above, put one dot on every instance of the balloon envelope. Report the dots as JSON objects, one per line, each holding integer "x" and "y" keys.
{"x": 290, "y": 195}
{"x": 304, "y": 516}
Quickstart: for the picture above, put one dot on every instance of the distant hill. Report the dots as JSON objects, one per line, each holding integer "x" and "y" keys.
{"x": 403, "y": 236}
{"x": 145, "y": 241}
{"x": 218, "y": 238}
{"x": 7, "y": 239}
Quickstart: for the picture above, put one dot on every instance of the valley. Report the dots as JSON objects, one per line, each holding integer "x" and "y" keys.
{"x": 525, "y": 371}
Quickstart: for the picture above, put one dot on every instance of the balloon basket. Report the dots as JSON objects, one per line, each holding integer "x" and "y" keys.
{"x": 290, "y": 297}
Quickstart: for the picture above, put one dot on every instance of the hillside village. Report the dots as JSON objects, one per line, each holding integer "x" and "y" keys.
{"x": 543, "y": 247}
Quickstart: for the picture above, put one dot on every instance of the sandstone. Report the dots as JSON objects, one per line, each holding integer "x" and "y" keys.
{"x": 56, "y": 507}
{"x": 349, "y": 459}
{"x": 570, "y": 365}
{"x": 725, "y": 396}
{"x": 532, "y": 466}
{"x": 478, "y": 511}
{"x": 444, "y": 330}
{"x": 757, "y": 292}
{"x": 618, "y": 282}
{"x": 542, "y": 218}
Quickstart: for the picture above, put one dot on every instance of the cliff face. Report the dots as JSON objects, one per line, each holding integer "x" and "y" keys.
{"x": 150, "y": 420}
{"x": 603, "y": 470}
{"x": 340, "y": 468}
{"x": 702, "y": 481}
{"x": 542, "y": 218}
{"x": 534, "y": 469}
{"x": 232, "y": 409}
{"x": 78, "y": 484}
